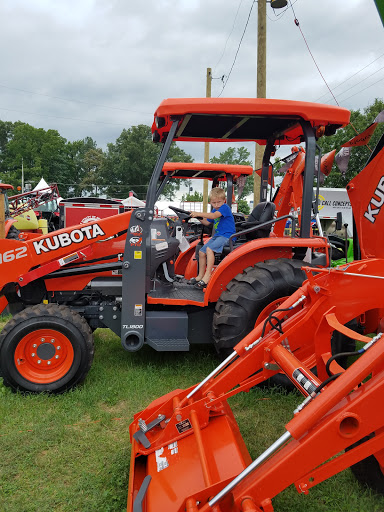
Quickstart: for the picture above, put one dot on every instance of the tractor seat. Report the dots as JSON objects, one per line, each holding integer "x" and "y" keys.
{"x": 263, "y": 212}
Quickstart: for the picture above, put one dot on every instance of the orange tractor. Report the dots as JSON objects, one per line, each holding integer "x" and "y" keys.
{"x": 127, "y": 272}
{"x": 187, "y": 451}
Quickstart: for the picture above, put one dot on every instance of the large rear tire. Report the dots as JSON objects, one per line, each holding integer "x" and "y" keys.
{"x": 251, "y": 296}
{"x": 45, "y": 348}
{"x": 13, "y": 233}
{"x": 248, "y": 295}
{"x": 368, "y": 471}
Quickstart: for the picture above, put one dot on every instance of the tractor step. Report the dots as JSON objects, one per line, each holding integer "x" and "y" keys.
{"x": 178, "y": 293}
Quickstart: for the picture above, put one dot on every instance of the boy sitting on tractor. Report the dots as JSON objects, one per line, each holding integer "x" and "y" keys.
{"x": 224, "y": 226}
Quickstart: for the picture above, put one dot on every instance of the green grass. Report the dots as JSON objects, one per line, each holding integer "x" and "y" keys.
{"x": 71, "y": 453}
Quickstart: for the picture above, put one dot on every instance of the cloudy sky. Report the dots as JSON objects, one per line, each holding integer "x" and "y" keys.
{"x": 94, "y": 67}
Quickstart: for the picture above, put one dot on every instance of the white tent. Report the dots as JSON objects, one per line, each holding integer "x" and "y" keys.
{"x": 163, "y": 207}
{"x": 133, "y": 202}
{"x": 42, "y": 184}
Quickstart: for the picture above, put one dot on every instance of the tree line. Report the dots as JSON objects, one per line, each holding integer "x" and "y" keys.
{"x": 81, "y": 168}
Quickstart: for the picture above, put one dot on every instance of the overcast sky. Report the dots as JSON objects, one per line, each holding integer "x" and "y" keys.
{"x": 94, "y": 67}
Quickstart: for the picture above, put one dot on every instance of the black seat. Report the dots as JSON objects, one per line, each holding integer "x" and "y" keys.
{"x": 263, "y": 212}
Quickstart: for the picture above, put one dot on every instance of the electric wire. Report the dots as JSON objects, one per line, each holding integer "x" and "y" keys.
{"x": 72, "y": 100}
{"x": 362, "y": 90}
{"x": 238, "y": 48}
{"x": 233, "y": 26}
{"x": 358, "y": 83}
{"x": 314, "y": 60}
{"x": 309, "y": 50}
{"x": 60, "y": 117}
{"x": 349, "y": 78}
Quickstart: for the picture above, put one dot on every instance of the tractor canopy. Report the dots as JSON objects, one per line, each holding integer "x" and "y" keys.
{"x": 213, "y": 172}
{"x": 245, "y": 119}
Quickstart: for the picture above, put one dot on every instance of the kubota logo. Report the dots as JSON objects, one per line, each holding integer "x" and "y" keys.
{"x": 375, "y": 204}
{"x": 65, "y": 239}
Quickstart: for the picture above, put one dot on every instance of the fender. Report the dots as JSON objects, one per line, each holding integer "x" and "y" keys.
{"x": 251, "y": 253}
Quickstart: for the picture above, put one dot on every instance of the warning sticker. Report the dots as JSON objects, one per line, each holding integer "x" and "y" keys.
{"x": 138, "y": 255}
{"x": 183, "y": 426}
{"x": 165, "y": 455}
{"x": 138, "y": 310}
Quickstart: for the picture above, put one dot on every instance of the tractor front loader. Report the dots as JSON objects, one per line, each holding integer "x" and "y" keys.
{"x": 127, "y": 272}
{"x": 187, "y": 449}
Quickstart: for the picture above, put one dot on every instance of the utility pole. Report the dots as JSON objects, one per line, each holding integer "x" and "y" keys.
{"x": 261, "y": 85}
{"x": 22, "y": 175}
{"x": 261, "y": 91}
{"x": 206, "y": 144}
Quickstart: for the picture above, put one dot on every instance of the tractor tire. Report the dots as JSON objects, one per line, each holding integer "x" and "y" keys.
{"x": 45, "y": 348}
{"x": 13, "y": 233}
{"x": 368, "y": 471}
{"x": 257, "y": 290}
{"x": 248, "y": 294}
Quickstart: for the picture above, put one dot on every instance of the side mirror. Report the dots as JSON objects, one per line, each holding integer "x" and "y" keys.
{"x": 339, "y": 221}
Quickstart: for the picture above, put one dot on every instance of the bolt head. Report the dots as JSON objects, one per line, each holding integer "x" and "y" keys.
{"x": 58, "y": 348}
{"x": 33, "y": 354}
{"x": 39, "y": 361}
{"x": 49, "y": 362}
{"x": 34, "y": 345}
{"x": 56, "y": 357}
{"x": 42, "y": 339}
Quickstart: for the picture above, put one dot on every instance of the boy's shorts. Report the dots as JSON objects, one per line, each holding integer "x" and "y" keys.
{"x": 216, "y": 244}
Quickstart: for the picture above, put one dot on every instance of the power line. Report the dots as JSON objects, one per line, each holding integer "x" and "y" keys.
{"x": 233, "y": 26}
{"x": 72, "y": 100}
{"x": 309, "y": 50}
{"x": 357, "y": 72}
{"x": 238, "y": 49}
{"x": 60, "y": 117}
{"x": 361, "y": 81}
{"x": 381, "y": 79}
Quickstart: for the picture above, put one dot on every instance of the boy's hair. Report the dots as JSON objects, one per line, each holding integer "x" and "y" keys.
{"x": 217, "y": 193}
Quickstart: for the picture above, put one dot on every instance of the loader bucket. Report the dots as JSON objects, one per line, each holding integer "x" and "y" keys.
{"x": 174, "y": 476}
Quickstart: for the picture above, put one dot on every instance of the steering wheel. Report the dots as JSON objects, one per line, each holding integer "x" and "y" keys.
{"x": 182, "y": 214}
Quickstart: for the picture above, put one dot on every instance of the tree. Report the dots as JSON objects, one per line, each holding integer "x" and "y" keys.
{"x": 196, "y": 197}
{"x": 38, "y": 152}
{"x": 86, "y": 164}
{"x": 236, "y": 156}
{"x": 243, "y": 207}
{"x": 6, "y": 132}
{"x": 359, "y": 155}
{"x": 130, "y": 162}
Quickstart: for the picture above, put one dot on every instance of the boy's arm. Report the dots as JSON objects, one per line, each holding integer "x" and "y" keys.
{"x": 206, "y": 215}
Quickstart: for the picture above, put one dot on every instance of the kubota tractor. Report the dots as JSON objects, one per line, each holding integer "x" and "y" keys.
{"x": 187, "y": 451}
{"x": 127, "y": 273}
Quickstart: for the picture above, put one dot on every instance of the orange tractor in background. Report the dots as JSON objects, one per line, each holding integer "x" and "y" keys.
{"x": 187, "y": 450}
{"x": 128, "y": 273}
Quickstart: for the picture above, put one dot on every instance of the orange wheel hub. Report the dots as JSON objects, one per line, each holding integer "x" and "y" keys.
{"x": 44, "y": 356}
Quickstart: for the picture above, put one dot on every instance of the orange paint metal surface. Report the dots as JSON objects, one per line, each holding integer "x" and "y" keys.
{"x": 339, "y": 416}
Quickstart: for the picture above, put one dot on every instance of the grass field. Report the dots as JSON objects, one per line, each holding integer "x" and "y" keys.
{"x": 70, "y": 453}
